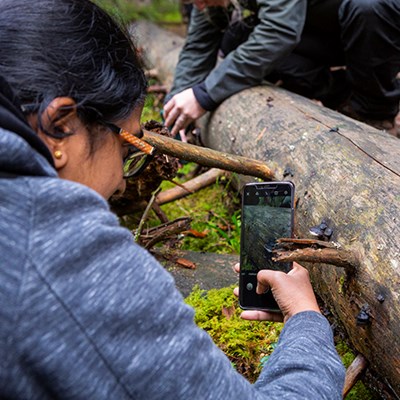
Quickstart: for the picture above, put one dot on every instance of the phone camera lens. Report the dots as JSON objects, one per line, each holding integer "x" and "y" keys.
{"x": 276, "y": 193}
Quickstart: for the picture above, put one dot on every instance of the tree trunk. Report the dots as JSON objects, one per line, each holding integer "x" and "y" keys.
{"x": 346, "y": 173}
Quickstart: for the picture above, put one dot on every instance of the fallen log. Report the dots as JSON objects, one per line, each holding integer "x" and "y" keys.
{"x": 345, "y": 172}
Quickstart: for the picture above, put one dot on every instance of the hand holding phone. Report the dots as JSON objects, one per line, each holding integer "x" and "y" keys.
{"x": 293, "y": 293}
{"x": 267, "y": 215}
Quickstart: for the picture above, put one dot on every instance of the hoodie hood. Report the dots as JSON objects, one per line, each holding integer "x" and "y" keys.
{"x": 22, "y": 152}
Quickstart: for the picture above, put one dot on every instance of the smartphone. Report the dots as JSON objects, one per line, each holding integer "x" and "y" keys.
{"x": 267, "y": 215}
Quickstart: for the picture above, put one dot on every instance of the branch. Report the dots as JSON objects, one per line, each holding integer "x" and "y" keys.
{"x": 189, "y": 187}
{"x": 208, "y": 157}
{"x": 315, "y": 251}
{"x": 353, "y": 372}
{"x": 159, "y": 233}
{"x": 145, "y": 214}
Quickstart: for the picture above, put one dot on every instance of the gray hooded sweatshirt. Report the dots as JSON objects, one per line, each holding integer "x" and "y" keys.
{"x": 87, "y": 314}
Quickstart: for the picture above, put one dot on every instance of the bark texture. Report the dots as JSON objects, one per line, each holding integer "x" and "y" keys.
{"x": 345, "y": 172}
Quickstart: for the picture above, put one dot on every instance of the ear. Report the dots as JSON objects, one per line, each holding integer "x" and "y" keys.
{"x": 60, "y": 116}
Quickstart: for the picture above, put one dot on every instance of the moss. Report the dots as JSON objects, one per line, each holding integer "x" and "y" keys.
{"x": 130, "y": 10}
{"x": 248, "y": 344}
{"x": 215, "y": 213}
{"x": 152, "y": 108}
{"x": 341, "y": 283}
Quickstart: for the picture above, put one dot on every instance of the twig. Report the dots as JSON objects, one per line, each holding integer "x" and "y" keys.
{"x": 353, "y": 373}
{"x": 145, "y": 214}
{"x": 183, "y": 186}
{"x": 157, "y": 89}
{"x": 160, "y": 213}
{"x": 163, "y": 231}
{"x": 191, "y": 186}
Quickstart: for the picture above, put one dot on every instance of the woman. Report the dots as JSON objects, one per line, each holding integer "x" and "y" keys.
{"x": 86, "y": 313}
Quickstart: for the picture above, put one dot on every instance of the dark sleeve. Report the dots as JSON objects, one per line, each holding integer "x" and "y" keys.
{"x": 202, "y": 96}
{"x": 102, "y": 319}
{"x": 279, "y": 30}
{"x": 198, "y": 55}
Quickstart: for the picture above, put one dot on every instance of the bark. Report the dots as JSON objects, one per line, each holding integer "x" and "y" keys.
{"x": 208, "y": 157}
{"x": 346, "y": 173}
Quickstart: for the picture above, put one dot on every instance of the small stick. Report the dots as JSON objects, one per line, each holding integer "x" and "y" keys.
{"x": 145, "y": 214}
{"x": 182, "y": 186}
{"x": 160, "y": 213}
{"x": 191, "y": 186}
{"x": 161, "y": 232}
{"x": 157, "y": 89}
{"x": 356, "y": 368}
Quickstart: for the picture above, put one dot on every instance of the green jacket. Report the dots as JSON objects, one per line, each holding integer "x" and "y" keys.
{"x": 277, "y": 33}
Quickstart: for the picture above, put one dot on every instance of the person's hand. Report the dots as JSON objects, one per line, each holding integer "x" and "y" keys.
{"x": 292, "y": 291}
{"x": 181, "y": 110}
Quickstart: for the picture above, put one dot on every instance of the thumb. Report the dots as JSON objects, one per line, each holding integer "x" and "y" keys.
{"x": 266, "y": 279}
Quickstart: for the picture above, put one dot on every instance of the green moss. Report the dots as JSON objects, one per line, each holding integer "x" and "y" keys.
{"x": 155, "y": 10}
{"x": 248, "y": 344}
{"x": 215, "y": 213}
{"x": 341, "y": 283}
{"x": 151, "y": 109}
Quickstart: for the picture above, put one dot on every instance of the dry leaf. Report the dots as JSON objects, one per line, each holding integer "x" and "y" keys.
{"x": 186, "y": 263}
{"x": 197, "y": 234}
{"x": 228, "y": 311}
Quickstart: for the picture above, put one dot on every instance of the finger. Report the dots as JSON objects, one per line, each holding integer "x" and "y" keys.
{"x": 171, "y": 117}
{"x": 236, "y": 291}
{"x": 262, "y": 287}
{"x": 257, "y": 315}
{"x": 183, "y": 135}
{"x": 169, "y": 106}
{"x": 179, "y": 125}
{"x": 236, "y": 267}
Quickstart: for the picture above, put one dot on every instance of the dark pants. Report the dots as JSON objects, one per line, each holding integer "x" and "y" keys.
{"x": 364, "y": 36}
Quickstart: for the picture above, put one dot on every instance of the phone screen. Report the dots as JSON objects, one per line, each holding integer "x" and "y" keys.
{"x": 267, "y": 215}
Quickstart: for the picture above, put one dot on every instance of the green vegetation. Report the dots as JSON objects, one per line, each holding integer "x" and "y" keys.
{"x": 248, "y": 344}
{"x": 152, "y": 107}
{"x": 215, "y": 213}
{"x": 165, "y": 11}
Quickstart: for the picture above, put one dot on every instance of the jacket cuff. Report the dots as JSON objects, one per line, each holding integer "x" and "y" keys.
{"x": 200, "y": 92}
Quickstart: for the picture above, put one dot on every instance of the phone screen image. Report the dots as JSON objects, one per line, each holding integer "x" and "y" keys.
{"x": 267, "y": 215}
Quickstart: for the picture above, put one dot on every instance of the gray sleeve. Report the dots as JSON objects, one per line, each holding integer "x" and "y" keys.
{"x": 305, "y": 363}
{"x": 279, "y": 30}
{"x": 102, "y": 319}
{"x": 199, "y": 53}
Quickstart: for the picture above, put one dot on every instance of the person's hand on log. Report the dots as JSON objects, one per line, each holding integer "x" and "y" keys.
{"x": 292, "y": 291}
{"x": 181, "y": 110}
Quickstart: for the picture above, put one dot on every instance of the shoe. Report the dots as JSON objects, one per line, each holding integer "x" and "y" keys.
{"x": 392, "y": 126}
